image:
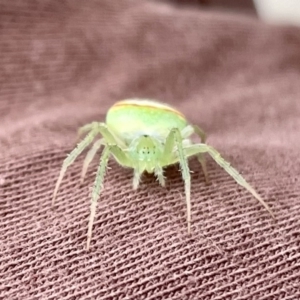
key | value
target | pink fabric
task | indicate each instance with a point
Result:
(63, 64)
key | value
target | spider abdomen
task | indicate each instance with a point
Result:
(129, 119)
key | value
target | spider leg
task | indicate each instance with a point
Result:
(136, 178)
(159, 172)
(200, 132)
(175, 139)
(123, 160)
(96, 191)
(86, 128)
(204, 148)
(90, 156)
(202, 161)
(94, 128)
(108, 138)
(102, 128)
(71, 158)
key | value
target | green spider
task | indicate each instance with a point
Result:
(146, 135)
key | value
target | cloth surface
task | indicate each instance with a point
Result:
(63, 64)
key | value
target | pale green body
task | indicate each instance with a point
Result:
(147, 136)
(131, 121)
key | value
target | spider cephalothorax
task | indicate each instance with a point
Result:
(146, 135)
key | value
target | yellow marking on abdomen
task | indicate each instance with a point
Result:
(147, 104)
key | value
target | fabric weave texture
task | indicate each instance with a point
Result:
(62, 65)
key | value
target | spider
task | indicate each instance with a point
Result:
(147, 136)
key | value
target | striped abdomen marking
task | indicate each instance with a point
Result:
(131, 118)
(150, 104)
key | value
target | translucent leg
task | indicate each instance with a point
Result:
(136, 178)
(71, 158)
(160, 176)
(101, 128)
(200, 132)
(203, 148)
(96, 191)
(90, 156)
(175, 139)
(202, 161)
(98, 184)
(200, 156)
